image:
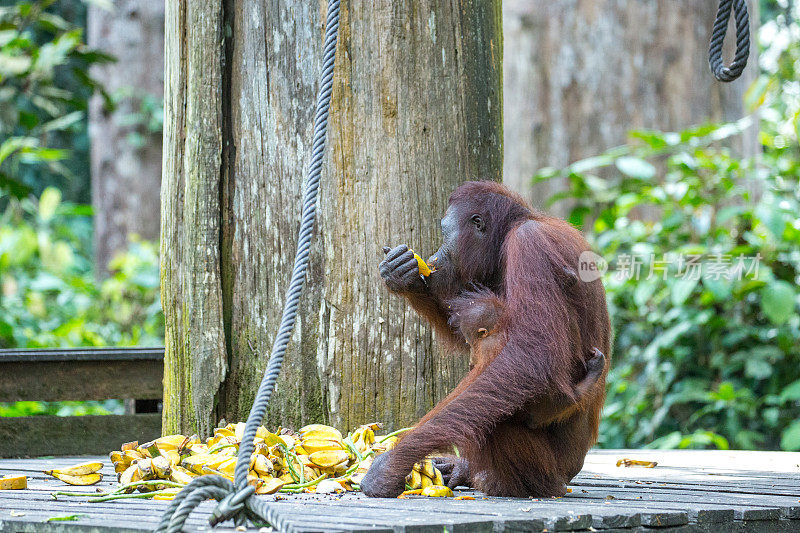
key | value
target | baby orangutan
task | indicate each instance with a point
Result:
(477, 315)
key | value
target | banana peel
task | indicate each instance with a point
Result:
(329, 458)
(318, 445)
(437, 491)
(270, 486)
(77, 470)
(181, 475)
(80, 480)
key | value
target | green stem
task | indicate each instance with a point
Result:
(130, 496)
(149, 483)
(288, 456)
(218, 447)
(306, 484)
(120, 489)
(394, 433)
(67, 493)
(352, 447)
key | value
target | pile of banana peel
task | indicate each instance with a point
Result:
(316, 459)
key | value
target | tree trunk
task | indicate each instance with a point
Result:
(416, 110)
(580, 74)
(125, 154)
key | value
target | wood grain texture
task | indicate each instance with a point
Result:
(416, 110)
(689, 491)
(195, 356)
(51, 381)
(63, 435)
(579, 74)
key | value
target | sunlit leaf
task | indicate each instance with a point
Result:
(778, 301)
(636, 168)
(790, 439)
(791, 392)
(64, 122)
(48, 203)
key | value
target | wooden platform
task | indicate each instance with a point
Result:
(703, 491)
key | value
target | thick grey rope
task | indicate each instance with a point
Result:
(742, 19)
(237, 500)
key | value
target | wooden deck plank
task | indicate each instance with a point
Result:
(740, 492)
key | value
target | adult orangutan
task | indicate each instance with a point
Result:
(549, 331)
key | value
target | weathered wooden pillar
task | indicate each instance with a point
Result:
(417, 109)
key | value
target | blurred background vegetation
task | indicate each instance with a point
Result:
(697, 363)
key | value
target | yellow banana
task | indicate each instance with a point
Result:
(84, 479)
(424, 269)
(437, 491)
(270, 486)
(130, 456)
(320, 431)
(416, 480)
(170, 442)
(227, 467)
(13, 483)
(77, 470)
(172, 456)
(262, 465)
(146, 470)
(162, 467)
(428, 468)
(181, 475)
(128, 475)
(329, 458)
(312, 446)
(196, 449)
(225, 432)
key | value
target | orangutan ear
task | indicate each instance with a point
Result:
(478, 221)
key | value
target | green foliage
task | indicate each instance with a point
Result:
(699, 360)
(106, 407)
(145, 117)
(49, 295)
(44, 91)
(708, 360)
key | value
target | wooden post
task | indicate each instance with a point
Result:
(580, 75)
(125, 175)
(417, 109)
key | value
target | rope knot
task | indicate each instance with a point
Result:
(231, 505)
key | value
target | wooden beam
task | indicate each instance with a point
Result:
(74, 435)
(99, 374)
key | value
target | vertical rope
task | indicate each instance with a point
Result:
(237, 500)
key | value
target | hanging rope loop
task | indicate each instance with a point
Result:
(742, 22)
(237, 500)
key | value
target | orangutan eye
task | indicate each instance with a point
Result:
(477, 220)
